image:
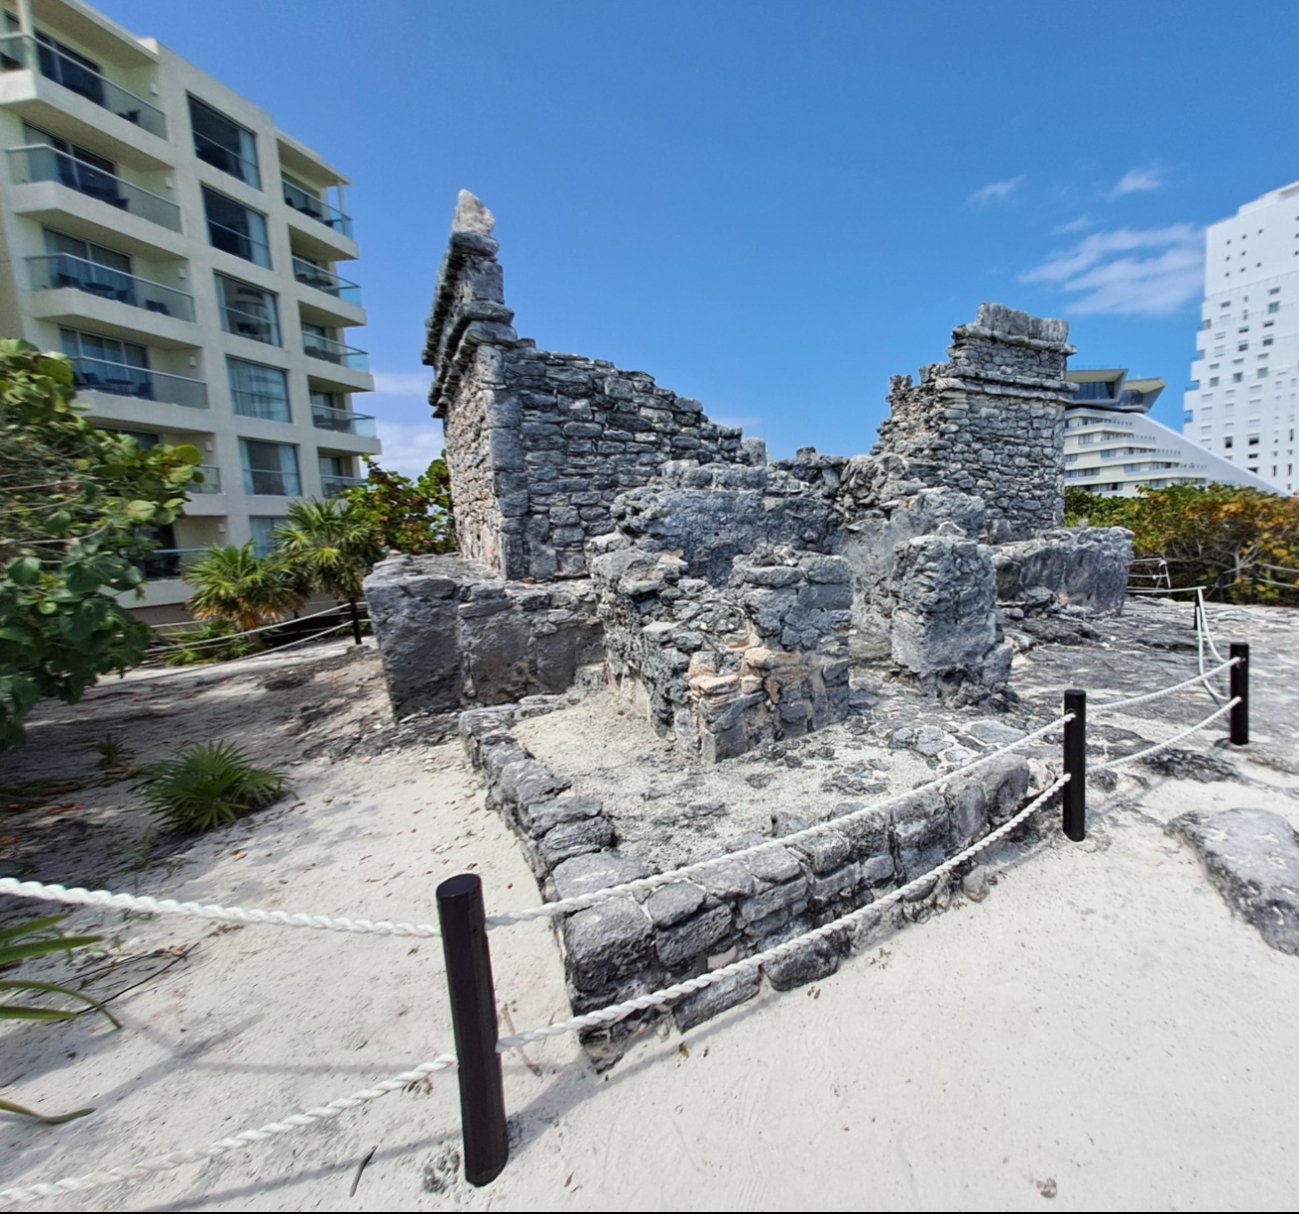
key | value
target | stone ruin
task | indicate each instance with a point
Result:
(604, 519)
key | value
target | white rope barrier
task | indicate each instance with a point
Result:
(548, 910)
(670, 994)
(206, 910)
(1196, 681)
(23, 1194)
(1177, 737)
(234, 636)
(153, 676)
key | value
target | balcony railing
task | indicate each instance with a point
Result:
(335, 352)
(211, 482)
(332, 486)
(250, 324)
(262, 405)
(241, 244)
(18, 52)
(317, 208)
(120, 379)
(342, 421)
(170, 562)
(226, 159)
(326, 280)
(40, 162)
(270, 482)
(55, 271)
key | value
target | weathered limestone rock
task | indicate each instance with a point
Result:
(1083, 567)
(1252, 858)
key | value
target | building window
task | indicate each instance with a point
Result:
(262, 529)
(1267, 341)
(119, 367)
(259, 391)
(270, 469)
(1242, 345)
(1274, 306)
(1262, 373)
(1236, 377)
(1228, 442)
(223, 143)
(1253, 440)
(234, 228)
(1213, 381)
(248, 310)
(143, 439)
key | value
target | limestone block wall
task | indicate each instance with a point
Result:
(539, 444)
(990, 421)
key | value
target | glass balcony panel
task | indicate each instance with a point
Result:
(343, 422)
(317, 208)
(271, 482)
(120, 379)
(332, 486)
(211, 482)
(251, 324)
(335, 352)
(40, 162)
(326, 280)
(241, 244)
(57, 270)
(18, 53)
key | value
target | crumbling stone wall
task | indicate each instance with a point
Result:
(990, 421)
(539, 444)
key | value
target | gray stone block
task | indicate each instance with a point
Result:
(589, 874)
(537, 817)
(725, 993)
(609, 941)
(694, 938)
(807, 963)
(670, 904)
(569, 839)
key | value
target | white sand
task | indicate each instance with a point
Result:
(1100, 1021)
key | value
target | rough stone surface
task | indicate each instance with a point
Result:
(611, 940)
(1252, 858)
(713, 1000)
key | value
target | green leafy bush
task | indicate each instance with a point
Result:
(208, 785)
(214, 640)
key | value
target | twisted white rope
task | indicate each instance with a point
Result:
(207, 910)
(1177, 737)
(247, 632)
(669, 994)
(1196, 681)
(548, 910)
(1202, 621)
(23, 1194)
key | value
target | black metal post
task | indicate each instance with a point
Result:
(1074, 794)
(473, 1016)
(1240, 687)
(356, 621)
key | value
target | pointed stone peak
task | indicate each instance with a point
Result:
(471, 216)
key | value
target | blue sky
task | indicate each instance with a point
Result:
(775, 206)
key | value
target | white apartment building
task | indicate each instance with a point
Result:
(182, 250)
(1245, 378)
(1112, 447)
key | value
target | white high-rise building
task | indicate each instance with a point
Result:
(1245, 378)
(164, 233)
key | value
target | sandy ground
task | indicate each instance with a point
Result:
(1098, 1033)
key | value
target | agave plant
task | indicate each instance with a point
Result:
(208, 785)
(41, 938)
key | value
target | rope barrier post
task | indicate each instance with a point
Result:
(1240, 691)
(1074, 797)
(473, 1017)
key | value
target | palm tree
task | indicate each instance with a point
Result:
(333, 547)
(249, 590)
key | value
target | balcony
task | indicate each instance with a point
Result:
(342, 421)
(326, 280)
(254, 325)
(226, 159)
(335, 352)
(270, 482)
(170, 562)
(119, 379)
(240, 244)
(318, 209)
(55, 271)
(18, 52)
(211, 482)
(40, 162)
(332, 486)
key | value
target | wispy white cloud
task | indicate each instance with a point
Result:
(404, 383)
(1128, 271)
(1081, 224)
(409, 449)
(1137, 181)
(995, 191)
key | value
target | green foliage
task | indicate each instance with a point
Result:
(409, 515)
(1235, 541)
(244, 589)
(214, 640)
(76, 504)
(22, 942)
(113, 753)
(208, 785)
(330, 546)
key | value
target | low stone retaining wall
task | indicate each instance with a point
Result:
(628, 945)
